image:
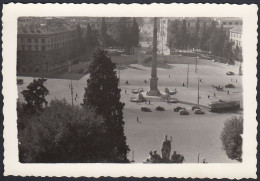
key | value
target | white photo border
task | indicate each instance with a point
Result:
(246, 169)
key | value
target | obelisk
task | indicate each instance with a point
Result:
(154, 79)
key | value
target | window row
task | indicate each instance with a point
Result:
(235, 35)
(54, 39)
(232, 23)
(43, 47)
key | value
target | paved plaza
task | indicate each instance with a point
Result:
(192, 134)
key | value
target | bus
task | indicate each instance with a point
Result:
(220, 106)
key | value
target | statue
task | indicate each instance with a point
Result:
(156, 157)
(166, 148)
(177, 158)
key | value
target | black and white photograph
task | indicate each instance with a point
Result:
(131, 90)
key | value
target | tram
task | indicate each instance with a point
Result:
(222, 106)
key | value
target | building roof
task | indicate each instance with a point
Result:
(43, 29)
(236, 30)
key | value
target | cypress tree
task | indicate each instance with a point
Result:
(103, 95)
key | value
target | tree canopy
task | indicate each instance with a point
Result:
(62, 134)
(231, 138)
(103, 95)
(35, 95)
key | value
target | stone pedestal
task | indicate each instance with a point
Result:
(153, 87)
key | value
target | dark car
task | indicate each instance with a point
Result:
(229, 86)
(146, 109)
(230, 73)
(195, 107)
(184, 112)
(159, 108)
(198, 111)
(177, 109)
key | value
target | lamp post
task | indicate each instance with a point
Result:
(196, 66)
(188, 75)
(199, 158)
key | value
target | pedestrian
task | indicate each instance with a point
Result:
(214, 94)
(145, 81)
(183, 84)
(149, 102)
(208, 96)
(125, 91)
(228, 92)
(231, 80)
(137, 119)
(236, 80)
(76, 95)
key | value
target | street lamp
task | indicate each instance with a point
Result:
(198, 99)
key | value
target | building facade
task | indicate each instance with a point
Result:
(44, 47)
(235, 36)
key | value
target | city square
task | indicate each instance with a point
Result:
(192, 134)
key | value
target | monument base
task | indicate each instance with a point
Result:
(155, 92)
(153, 87)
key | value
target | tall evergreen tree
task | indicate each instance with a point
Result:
(103, 34)
(88, 40)
(135, 33)
(184, 35)
(196, 33)
(103, 95)
(91, 41)
(122, 34)
(203, 37)
(174, 37)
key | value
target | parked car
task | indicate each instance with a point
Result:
(198, 111)
(177, 109)
(195, 107)
(229, 86)
(172, 100)
(230, 73)
(184, 112)
(159, 108)
(146, 109)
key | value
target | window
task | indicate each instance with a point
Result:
(36, 47)
(29, 47)
(22, 40)
(43, 48)
(23, 47)
(43, 40)
(35, 40)
(230, 23)
(29, 40)
(224, 23)
(188, 24)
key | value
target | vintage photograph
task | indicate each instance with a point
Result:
(130, 89)
(157, 90)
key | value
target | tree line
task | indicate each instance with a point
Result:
(58, 132)
(210, 39)
(125, 36)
